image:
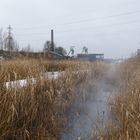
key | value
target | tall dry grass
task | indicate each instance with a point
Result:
(21, 69)
(39, 110)
(125, 105)
(36, 111)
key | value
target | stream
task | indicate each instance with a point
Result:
(90, 115)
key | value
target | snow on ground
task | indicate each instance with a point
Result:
(23, 83)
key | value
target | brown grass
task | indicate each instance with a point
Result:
(21, 69)
(37, 111)
(125, 106)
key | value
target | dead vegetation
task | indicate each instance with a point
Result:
(125, 105)
(38, 111)
(21, 69)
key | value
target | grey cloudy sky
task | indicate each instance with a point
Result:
(111, 27)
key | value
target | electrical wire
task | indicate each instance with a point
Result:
(79, 29)
(85, 20)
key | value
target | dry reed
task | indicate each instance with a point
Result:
(38, 111)
(125, 105)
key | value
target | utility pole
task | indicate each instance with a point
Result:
(9, 39)
(52, 40)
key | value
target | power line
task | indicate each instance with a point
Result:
(101, 18)
(110, 25)
(79, 29)
(88, 20)
(100, 34)
(9, 30)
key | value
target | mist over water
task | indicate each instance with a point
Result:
(90, 114)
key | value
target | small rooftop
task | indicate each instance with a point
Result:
(90, 57)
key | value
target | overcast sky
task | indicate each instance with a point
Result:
(111, 27)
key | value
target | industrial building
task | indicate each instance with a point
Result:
(91, 57)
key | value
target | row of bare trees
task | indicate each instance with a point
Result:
(59, 50)
(8, 43)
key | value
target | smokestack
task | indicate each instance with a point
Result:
(52, 40)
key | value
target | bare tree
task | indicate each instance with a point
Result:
(16, 46)
(48, 46)
(9, 43)
(60, 50)
(1, 39)
(27, 49)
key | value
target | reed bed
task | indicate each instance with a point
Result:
(125, 105)
(39, 110)
(21, 69)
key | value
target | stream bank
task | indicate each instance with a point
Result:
(89, 114)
